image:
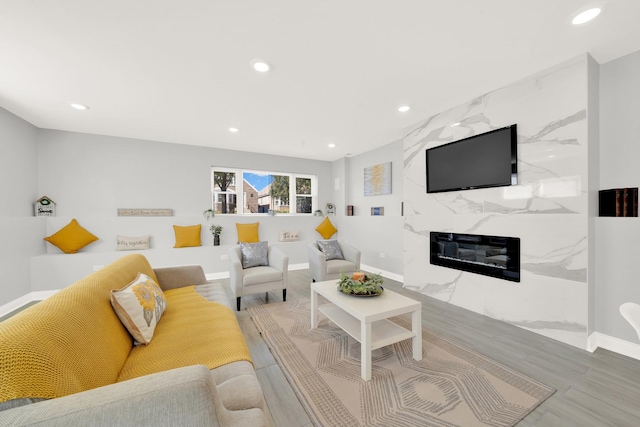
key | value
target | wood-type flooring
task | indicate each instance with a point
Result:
(593, 389)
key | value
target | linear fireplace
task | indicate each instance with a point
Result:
(489, 255)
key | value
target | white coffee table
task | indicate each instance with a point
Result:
(365, 319)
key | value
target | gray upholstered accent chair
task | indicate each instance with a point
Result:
(253, 280)
(322, 269)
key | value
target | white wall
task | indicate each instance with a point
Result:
(91, 176)
(548, 210)
(21, 232)
(379, 238)
(618, 245)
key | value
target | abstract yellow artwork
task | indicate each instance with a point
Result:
(377, 179)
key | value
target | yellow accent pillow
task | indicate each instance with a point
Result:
(139, 306)
(187, 236)
(71, 238)
(248, 233)
(326, 229)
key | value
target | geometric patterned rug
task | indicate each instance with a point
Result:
(450, 386)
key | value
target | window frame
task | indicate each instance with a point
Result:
(241, 194)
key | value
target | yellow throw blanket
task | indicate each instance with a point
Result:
(190, 332)
(72, 341)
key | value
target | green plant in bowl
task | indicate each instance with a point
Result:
(370, 286)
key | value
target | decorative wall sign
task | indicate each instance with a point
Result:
(289, 236)
(145, 212)
(44, 206)
(377, 179)
(331, 209)
(377, 211)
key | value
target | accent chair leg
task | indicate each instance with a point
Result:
(313, 280)
(238, 303)
(284, 294)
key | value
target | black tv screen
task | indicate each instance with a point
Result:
(485, 160)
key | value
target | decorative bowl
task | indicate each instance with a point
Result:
(361, 285)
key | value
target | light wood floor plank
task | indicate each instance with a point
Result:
(593, 389)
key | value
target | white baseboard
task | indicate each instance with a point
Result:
(301, 266)
(23, 300)
(216, 276)
(383, 273)
(616, 345)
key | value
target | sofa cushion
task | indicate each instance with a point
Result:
(139, 306)
(326, 229)
(71, 238)
(187, 236)
(260, 275)
(178, 277)
(124, 243)
(330, 249)
(254, 254)
(193, 331)
(248, 232)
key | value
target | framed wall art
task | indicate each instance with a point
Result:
(377, 179)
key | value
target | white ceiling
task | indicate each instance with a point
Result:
(179, 71)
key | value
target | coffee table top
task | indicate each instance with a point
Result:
(367, 309)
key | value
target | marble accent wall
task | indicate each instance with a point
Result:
(547, 210)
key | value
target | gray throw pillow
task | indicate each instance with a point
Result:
(330, 249)
(254, 254)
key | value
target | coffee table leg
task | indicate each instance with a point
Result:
(314, 309)
(416, 328)
(365, 351)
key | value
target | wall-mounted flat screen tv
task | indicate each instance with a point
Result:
(486, 160)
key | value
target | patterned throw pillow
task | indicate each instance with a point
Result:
(139, 306)
(71, 238)
(254, 254)
(326, 229)
(330, 249)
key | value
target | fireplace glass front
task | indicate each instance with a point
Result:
(488, 255)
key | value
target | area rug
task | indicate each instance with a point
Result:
(450, 386)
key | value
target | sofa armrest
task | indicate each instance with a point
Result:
(351, 254)
(178, 277)
(177, 397)
(278, 259)
(235, 271)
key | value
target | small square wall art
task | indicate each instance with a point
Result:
(377, 179)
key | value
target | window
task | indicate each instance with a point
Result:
(223, 184)
(304, 199)
(262, 192)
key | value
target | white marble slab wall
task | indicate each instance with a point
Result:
(547, 210)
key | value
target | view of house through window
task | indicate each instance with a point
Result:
(261, 192)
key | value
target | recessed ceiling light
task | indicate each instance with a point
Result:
(332, 145)
(456, 124)
(234, 130)
(260, 65)
(586, 16)
(404, 108)
(77, 106)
